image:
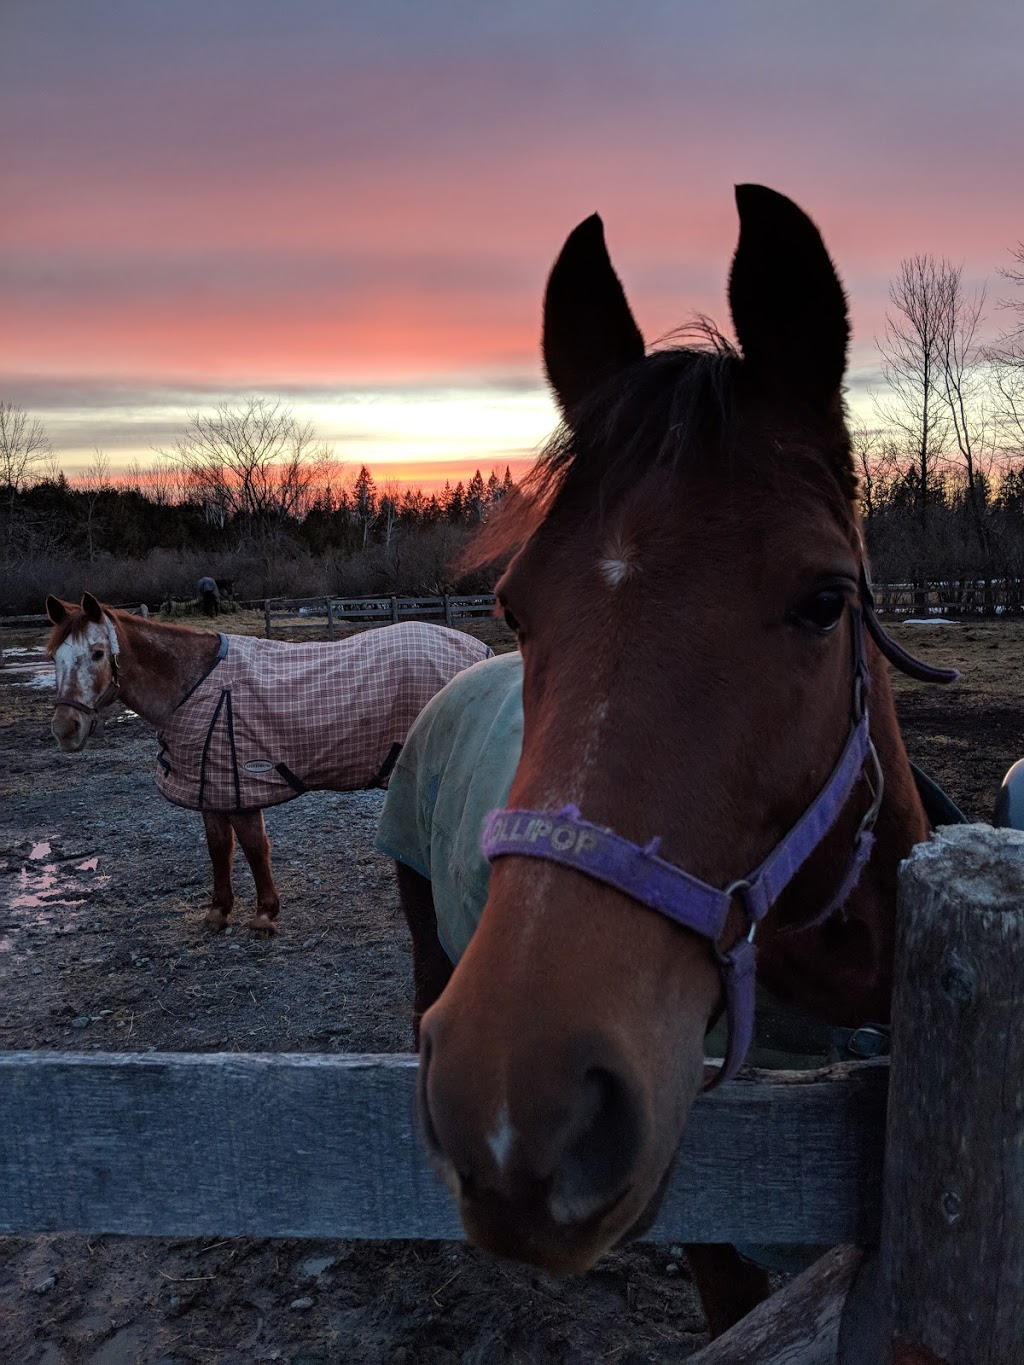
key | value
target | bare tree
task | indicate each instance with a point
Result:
(912, 353)
(1007, 357)
(387, 508)
(965, 385)
(252, 461)
(867, 444)
(93, 483)
(328, 476)
(24, 444)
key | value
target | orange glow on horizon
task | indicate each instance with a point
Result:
(429, 476)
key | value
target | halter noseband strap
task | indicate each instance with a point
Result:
(564, 837)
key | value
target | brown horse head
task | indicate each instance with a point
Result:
(85, 651)
(686, 604)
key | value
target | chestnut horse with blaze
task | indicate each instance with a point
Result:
(246, 723)
(710, 758)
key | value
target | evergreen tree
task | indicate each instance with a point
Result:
(475, 500)
(364, 497)
(457, 504)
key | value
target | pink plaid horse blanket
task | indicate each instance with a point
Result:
(272, 720)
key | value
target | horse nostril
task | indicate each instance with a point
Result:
(599, 1160)
(426, 1121)
(64, 728)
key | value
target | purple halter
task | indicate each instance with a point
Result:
(564, 837)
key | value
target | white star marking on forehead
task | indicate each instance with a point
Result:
(618, 563)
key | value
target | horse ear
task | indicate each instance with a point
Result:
(589, 331)
(56, 610)
(92, 608)
(788, 307)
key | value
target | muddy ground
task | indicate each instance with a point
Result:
(103, 886)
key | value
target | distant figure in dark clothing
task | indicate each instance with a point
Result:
(209, 596)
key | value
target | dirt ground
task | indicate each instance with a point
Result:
(103, 886)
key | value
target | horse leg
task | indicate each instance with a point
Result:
(220, 840)
(431, 967)
(252, 835)
(729, 1286)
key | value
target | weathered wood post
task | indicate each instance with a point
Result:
(394, 609)
(330, 615)
(952, 1248)
(447, 609)
(266, 615)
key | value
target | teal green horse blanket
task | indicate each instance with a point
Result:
(456, 767)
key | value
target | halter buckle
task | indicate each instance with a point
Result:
(737, 888)
(877, 786)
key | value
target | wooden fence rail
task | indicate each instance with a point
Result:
(954, 597)
(293, 612)
(185, 1144)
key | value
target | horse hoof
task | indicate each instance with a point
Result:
(215, 921)
(262, 924)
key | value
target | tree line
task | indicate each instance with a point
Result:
(247, 493)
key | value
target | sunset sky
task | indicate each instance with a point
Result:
(353, 206)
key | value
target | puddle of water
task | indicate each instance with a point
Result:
(40, 902)
(41, 894)
(44, 677)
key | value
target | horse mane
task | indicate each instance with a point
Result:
(672, 410)
(76, 621)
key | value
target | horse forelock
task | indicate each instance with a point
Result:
(74, 626)
(680, 409)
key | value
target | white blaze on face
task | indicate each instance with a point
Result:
(501, 1140)
(616, 566)
(79, 675)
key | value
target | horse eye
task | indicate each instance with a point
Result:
(820, 611)
(97, 655)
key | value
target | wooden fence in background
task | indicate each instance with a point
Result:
(952, 598)
(290, 613)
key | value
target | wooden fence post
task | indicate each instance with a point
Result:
(448, 609)
(266, 615)
(952, 1249)
(798, 1325)
(330, 616)
(394, 608)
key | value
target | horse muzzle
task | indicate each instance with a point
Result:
(71, 728)
(73, 722)
(555, 1176)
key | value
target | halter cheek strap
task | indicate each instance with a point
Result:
(896, 654)
(564, 837)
